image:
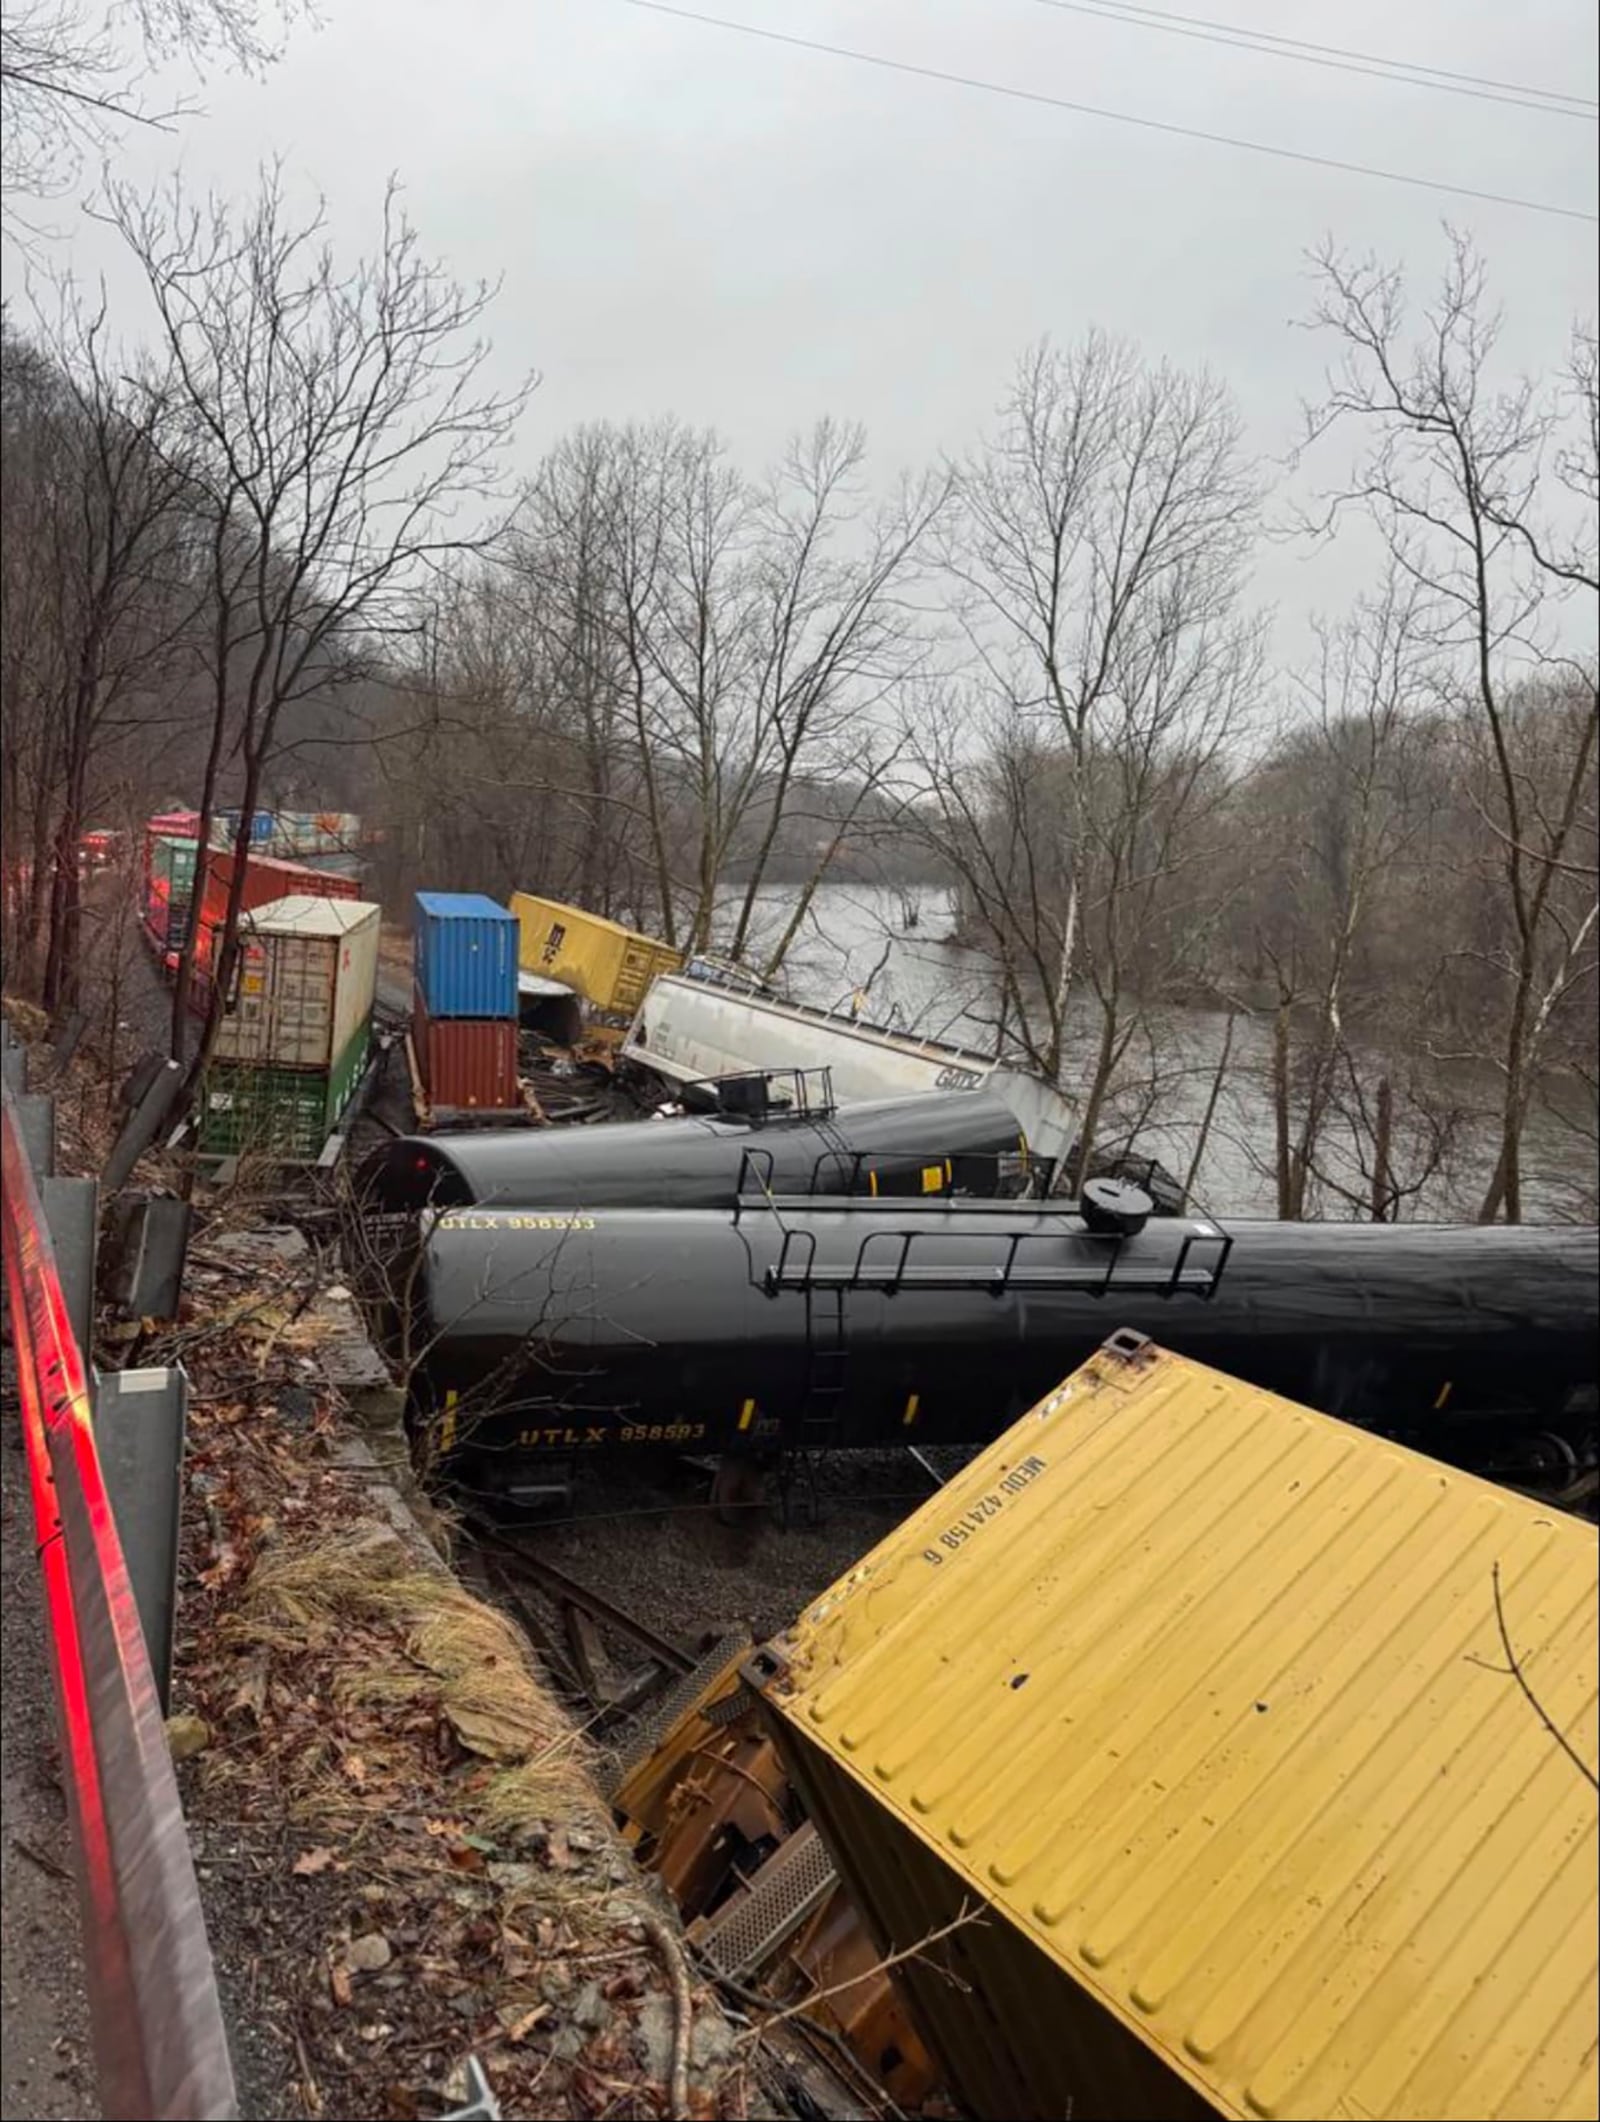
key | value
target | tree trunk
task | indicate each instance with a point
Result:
(1505, 1186)
(1105, 1063)
(1280, 1112)
(1381, 1199)
(1210, 1113)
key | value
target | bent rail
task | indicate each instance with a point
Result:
(160, 2048)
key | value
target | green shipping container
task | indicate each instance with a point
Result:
(278, 1112)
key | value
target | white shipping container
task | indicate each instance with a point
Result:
(307, 976)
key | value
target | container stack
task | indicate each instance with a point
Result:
(171, 849)
(464, 1013)
(294, 1043)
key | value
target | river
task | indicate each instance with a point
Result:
(856, 937)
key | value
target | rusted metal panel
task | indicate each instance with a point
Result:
(466, 1063)
(1210, 1706)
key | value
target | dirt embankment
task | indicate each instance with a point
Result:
(404, 1858)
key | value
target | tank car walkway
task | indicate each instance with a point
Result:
(45, 2067)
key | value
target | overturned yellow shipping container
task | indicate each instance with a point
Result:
(1262, 1750)
(610, 966)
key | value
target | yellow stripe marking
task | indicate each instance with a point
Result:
(747, 1414)
(447, 1428)
(872, 1184)
(912, 1405)
(1445, 1391)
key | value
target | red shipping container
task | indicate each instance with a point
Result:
(467, 1064)
(265, 879)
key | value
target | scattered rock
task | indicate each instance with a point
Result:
(653, 2032)
(369, 1954)
(589, 2008)
(514, 1878)
(187, 1736)
(283, 1242)
(711, 2044)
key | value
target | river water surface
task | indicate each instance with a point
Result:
(888, 945)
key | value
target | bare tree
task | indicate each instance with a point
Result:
(1485, 499)
(1099, 539)
(70, 76)
(1097, 543)
(1325, 823)
(834, 646)
(98, 600)
(118, 532)
(335, 424)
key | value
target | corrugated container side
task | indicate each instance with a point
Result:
(356, 986)
(971, 1996)
(1202, 1700)
(282, 1015)
(609, 965)
(348, 1069)
(307, 976)
(278, 1112)
(467, 1064)
(466, 955)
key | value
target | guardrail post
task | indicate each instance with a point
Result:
(149, 1243)
(36, 1123)
(142, 1126)
(140, 1419)
(72, 1210)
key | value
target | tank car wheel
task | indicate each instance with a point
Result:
(738, 1489)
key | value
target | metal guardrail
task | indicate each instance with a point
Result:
(160, 2047)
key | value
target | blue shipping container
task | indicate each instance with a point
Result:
(466, 955)
(262, 825)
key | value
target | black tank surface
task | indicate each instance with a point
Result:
(828, 1326)
(967, 1142)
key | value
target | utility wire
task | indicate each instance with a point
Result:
(1551, 101)
(1093, 110)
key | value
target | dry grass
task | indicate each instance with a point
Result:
(420, 1647)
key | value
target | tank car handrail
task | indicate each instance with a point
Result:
(155, 2018)
(1168, 1279)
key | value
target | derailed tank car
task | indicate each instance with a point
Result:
(937, 1144)
(870, 1323)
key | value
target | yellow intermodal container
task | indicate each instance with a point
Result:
(1263, 1750)
(610, 966)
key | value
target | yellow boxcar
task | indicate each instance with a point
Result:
(610, 966)
(1263, 1749)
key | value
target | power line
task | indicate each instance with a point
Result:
(1551, 101)
(1093, 110)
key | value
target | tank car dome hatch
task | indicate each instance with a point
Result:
(1115, 1207)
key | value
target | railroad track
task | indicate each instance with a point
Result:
(573, 1643)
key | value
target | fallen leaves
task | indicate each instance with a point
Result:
(393, 1788)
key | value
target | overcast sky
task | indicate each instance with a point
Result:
(751, 235)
